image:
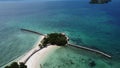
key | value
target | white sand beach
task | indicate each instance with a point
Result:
(25, 56)
(35, 47)
(39, 57)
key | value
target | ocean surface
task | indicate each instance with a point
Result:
(92, 25)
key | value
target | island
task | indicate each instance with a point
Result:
(44, 47)
(59, 39)
(99, 1)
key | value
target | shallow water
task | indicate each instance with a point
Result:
(69, 57)
(95, 26)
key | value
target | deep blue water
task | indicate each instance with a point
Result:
(92, 25)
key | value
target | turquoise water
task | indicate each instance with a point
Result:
(95, 26)
(68, 57)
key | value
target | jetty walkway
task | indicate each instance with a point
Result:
(90, 49)
(31, 31)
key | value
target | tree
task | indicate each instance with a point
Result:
(13, 65)
(55, 39)
(16, 65)
(22, 65)
(7, 67)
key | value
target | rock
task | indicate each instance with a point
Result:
(92, 64)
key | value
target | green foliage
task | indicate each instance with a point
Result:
(7, 67)
(16, 65)
(22, 65)
(55, 39)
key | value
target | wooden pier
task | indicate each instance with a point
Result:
(31, 31)
(93, 50)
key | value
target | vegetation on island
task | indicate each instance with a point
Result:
(99, 1)
(16, 65)
(55, 39)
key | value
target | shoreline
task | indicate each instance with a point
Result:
(35, 47)
(22, 57)
(36, 60)
(36, 56)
